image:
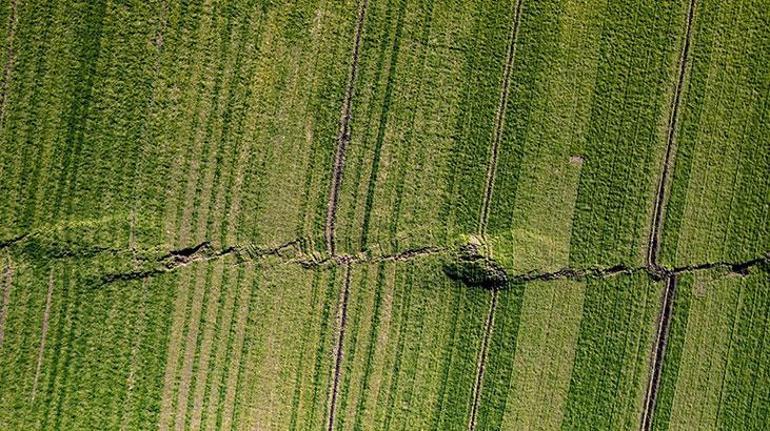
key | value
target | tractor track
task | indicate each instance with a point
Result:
(478, 383)
(343, 315)
(500, 118)
(653, 247)
(486, 203)
(343, 139)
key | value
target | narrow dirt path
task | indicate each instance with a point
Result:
(653, 246)
(486, 203)
(500, 118)
(656, 360)
(654, 241)
(338, 349)
(477, 385)
(343, 139)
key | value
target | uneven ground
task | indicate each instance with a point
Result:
(384, 214)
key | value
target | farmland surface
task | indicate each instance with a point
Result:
(384, 215)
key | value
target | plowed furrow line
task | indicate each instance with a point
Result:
(500, 119)
(653, 246)
(343, 139)
(656, 362)
(343, 315)
(477, 385)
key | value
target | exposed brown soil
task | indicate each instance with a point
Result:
(500, 119)
(656, 360)
(343, 139)
(478, 383)
(338, 349)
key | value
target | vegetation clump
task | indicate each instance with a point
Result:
(474, 269)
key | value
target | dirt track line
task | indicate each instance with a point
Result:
(6, 297)
(500, 119)
(343, 316)
(486, 203)
(653, 247)
(9, 59)
(44, 332)
(478, 384)
(658, 353)
(343, 139)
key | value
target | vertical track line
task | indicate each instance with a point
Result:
(343, 139)
(343, 316)
(653, 246)
(500, 119)
(658, 353)
(486, 203)
(477, 385)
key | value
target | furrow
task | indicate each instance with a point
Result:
(343, 139)
(478, 384)
(343, 311)
(656, 362)
(653, 246)
(500, 120)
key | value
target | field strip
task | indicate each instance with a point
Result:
(218, 368)
(656, 361)
(500, 119)
(9, 58)
(194, 310)
(225, 416)
(653, 246)
(205, 346)
(44, 332)
(138, 332)
(6, 297)
(172, 353)
(477, 385)
(344, 135)
(343, 315)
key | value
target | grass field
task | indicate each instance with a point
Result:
(570, 355)
(717, 374)
(392, 214)
(718, 210)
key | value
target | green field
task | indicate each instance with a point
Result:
(718, 375)
(384, 215)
